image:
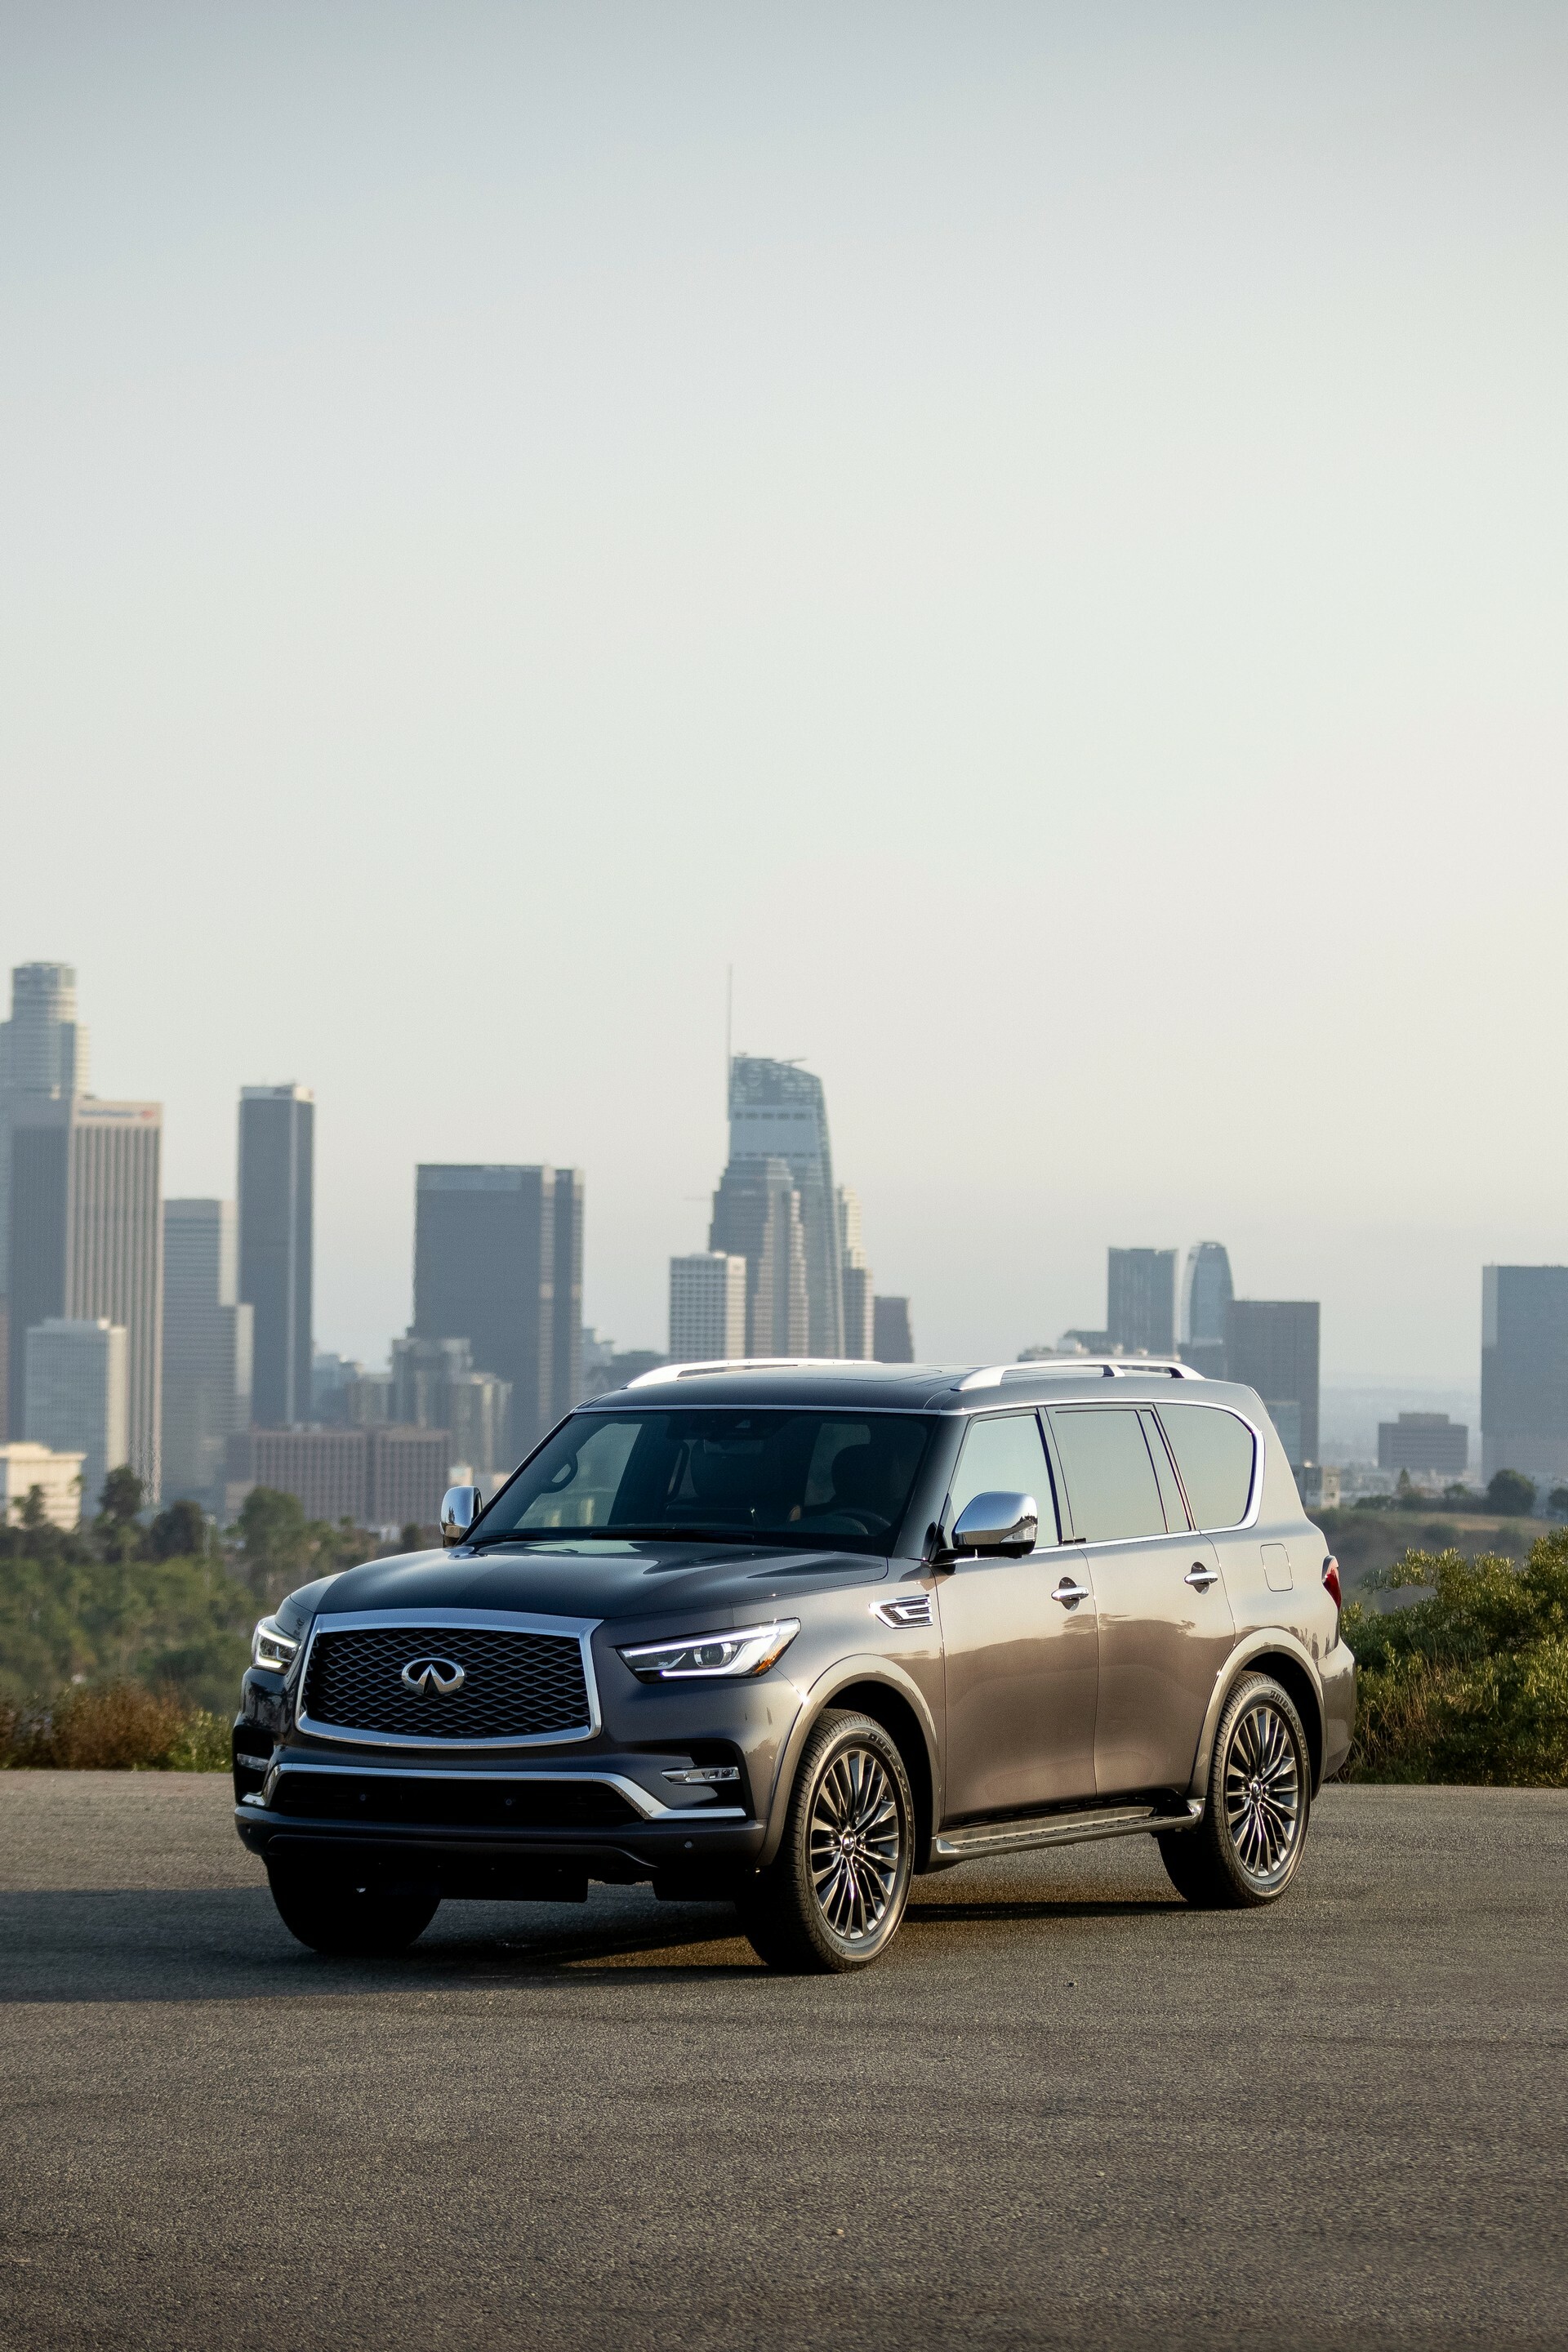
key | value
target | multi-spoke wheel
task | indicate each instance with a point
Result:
(1246, 1847)
(835, 1895)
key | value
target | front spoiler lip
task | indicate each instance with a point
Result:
(645, 1841)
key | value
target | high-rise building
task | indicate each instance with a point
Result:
(497, 1261)
(87, 1242)
(78, 1396)
(855, 1273)
(707, 1307)
(756, 1215)
(779, 1112)
(1140, 1300)
(1271, 1345)
(1426, 1442)
(43, 1051)
(435, 1386)
(1524, 1372)
(891, 1336)
(276, 1225)
(1207, 1293)
(206, 1348)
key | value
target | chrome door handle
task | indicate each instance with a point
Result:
(1069, 1595)
(1200, 1576)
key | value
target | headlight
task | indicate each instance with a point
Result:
(749, 1650)
(271, 1646)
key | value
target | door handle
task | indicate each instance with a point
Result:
(1069, 1595)
(1200, 1576)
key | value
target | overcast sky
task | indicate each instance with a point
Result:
(1037, 534)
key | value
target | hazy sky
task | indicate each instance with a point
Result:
(1037, 533)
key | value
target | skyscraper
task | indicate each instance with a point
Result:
(497, 1261)
(892, 1338)
(778, 1111)
(1140, 1300)
(76, 1396)
(1271, 1345)
(276, 1184)
(707, 1307)
(43, 1051)
(855, 1273)
(208, 1341)
(86, 1242)
(1524, 1372)
(1207, 1293)
(756, 1215)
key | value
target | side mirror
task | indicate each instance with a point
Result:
(1009, 1523)
(460, 1506)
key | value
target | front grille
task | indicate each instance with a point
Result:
(514, 1685)
(461, 1802)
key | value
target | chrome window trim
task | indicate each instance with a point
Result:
(1259, 1448)
(651, 1807)
(451, 1621)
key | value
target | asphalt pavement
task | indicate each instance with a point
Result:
(1064, 2111)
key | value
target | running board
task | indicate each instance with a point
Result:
(980, 1838)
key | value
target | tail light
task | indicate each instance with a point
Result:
(1331, 1582)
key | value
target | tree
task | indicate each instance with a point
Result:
(180, 1532)
(1511, 1493)
(274, 1536)
(119, 1505)
(1557, 1502)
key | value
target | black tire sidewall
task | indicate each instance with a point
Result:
(783, 1917)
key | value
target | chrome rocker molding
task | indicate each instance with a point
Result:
(982, 1838)
(649, 1806)
(450, 1620)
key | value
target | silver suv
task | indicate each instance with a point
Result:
(788, 1636)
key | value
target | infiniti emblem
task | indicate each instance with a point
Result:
(426, 1674)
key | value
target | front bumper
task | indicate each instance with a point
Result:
(522, 1829)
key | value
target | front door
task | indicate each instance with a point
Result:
(1021, 1663)
(1166, 1625)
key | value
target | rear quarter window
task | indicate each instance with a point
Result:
(1214, 1453)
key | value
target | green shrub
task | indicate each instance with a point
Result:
(1469, 1683)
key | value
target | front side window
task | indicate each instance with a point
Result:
(1113, 1491)
(1214, 1453)
(1003, 1454)
(777, 1477)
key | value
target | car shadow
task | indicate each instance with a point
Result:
(228, 1944)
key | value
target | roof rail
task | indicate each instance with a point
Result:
(739, 1364)
(1110, 1368)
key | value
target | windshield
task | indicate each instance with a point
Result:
(817, 1478)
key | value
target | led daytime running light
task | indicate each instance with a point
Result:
(744, 1650)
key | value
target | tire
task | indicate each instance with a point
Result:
(341, 1914)
(1247, 1847)
(832, 1900)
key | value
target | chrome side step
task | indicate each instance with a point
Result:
(981, 1838)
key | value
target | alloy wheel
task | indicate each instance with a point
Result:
(1263, 1793)
(855, 1843)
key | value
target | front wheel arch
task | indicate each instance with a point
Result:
(870, 1686)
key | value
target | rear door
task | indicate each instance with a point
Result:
(1019, 1640)
(1165, 1626)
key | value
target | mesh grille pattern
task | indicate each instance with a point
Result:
(515, 1685)
(476, 1804)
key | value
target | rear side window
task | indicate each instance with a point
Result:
(1214, 1453)
(1112, 1492)
(1004, 1454)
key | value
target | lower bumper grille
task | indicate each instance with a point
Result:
(459, 1802)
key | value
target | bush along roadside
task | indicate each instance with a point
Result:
(1469, 1683)
(116, 1726)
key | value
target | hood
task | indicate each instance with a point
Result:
(601, 1579)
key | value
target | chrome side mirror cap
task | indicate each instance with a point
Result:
(1004, 1523)
(460, 1506)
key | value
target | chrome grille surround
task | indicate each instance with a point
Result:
(424, 1630)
